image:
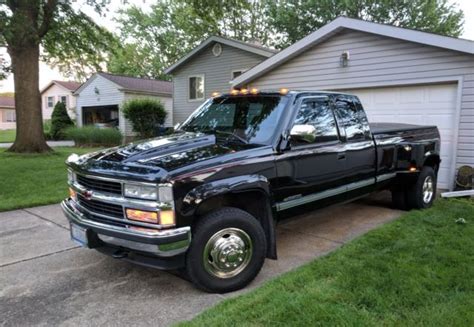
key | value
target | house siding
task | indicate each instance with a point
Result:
(109, 94)
(377, 61)
(56, 92)
(217, 76)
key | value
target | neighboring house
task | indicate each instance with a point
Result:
(99, 99)
(7, 113)
(59, 91)
(400, 75)
(209, 68)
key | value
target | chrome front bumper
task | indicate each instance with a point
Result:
(161, 243)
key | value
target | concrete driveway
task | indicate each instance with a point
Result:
(46, 280)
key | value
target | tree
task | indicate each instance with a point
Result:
(293, 19)
(145, 115)
(152, 41)
(60, 120)
(68, 38)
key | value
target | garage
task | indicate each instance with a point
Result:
(400, 75)
(421, 105)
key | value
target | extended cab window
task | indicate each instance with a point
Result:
(318, 114)
(352, 118)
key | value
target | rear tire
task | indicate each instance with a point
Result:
(227, 250)
(423, 192)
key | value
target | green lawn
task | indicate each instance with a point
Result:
(7, 136)
(416, 271)
(31, 180)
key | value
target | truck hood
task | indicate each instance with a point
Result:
(153, 159)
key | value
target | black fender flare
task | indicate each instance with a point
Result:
(233, 186)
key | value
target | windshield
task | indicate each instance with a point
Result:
(249, 119)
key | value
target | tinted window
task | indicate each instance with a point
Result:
(318, 113)
(253, 118)
(352, 118)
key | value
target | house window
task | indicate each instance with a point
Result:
(50, 102)
(10, 116)
(196, 87)
(63, 99)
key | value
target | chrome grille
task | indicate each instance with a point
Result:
(99, 185)
(98, 207)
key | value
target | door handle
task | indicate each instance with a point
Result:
(341, 156)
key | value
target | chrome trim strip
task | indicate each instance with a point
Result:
(332, 192)
(115, 180)
(384, 177)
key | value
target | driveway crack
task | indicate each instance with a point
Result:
(39, 256)
(310, 234)
(45, 219)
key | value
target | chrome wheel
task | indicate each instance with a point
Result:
(428, 189)
(227, 252)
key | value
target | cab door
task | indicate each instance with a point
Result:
(313, 165)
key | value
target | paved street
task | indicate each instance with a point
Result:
(45, 279)
(50, 143)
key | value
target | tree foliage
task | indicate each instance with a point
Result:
(293, 19)
(145, 115)
(152, 41)
(60, 120)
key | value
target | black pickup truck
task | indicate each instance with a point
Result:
(207, 197)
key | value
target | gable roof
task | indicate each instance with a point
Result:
(7, 102)
(68, 85)
(249, 47)
(341, 23)
(134, 84)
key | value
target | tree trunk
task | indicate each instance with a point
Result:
(29, 119)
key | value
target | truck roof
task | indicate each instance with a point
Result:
(289, 92)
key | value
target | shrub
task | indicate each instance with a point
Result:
(60, 120)
(145, 115)
(47, 129)
(93, 136)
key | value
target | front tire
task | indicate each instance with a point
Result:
(422, 194)
(227, 250)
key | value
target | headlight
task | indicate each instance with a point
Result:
(71, 176)
(140, 191)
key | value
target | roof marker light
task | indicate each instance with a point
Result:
(253, 90)
(244, 91)
(215, 94)
(283, 91)
(234, 92)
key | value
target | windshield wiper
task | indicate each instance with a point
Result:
(235, 136)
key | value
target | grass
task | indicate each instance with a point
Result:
(416, 271)
(7, 135)
(32, 180)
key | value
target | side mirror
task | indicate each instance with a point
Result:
(303, 133)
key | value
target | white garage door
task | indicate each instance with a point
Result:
(422, 105)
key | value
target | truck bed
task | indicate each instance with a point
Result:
(381, 128)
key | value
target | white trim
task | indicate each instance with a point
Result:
(233, 43)
(457, 120)
(243, 70)
(203, 76)
(341, 23)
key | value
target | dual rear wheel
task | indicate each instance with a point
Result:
(420, 194)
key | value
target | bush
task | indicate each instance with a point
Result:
(93, 136)
(145, 115)
(47, 129)
(60, 120)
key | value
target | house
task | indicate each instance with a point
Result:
(7, 113)
(99, 99)
(400, 75)
(209, 68)
(58, 91)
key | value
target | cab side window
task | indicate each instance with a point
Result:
(318, 114)
(352, 118)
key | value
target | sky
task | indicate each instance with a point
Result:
(48, 73)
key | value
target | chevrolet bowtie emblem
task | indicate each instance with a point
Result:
(87, 195)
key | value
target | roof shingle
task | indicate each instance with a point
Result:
(140, 84)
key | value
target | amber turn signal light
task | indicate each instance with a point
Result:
(72, 194)
(143, 216)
